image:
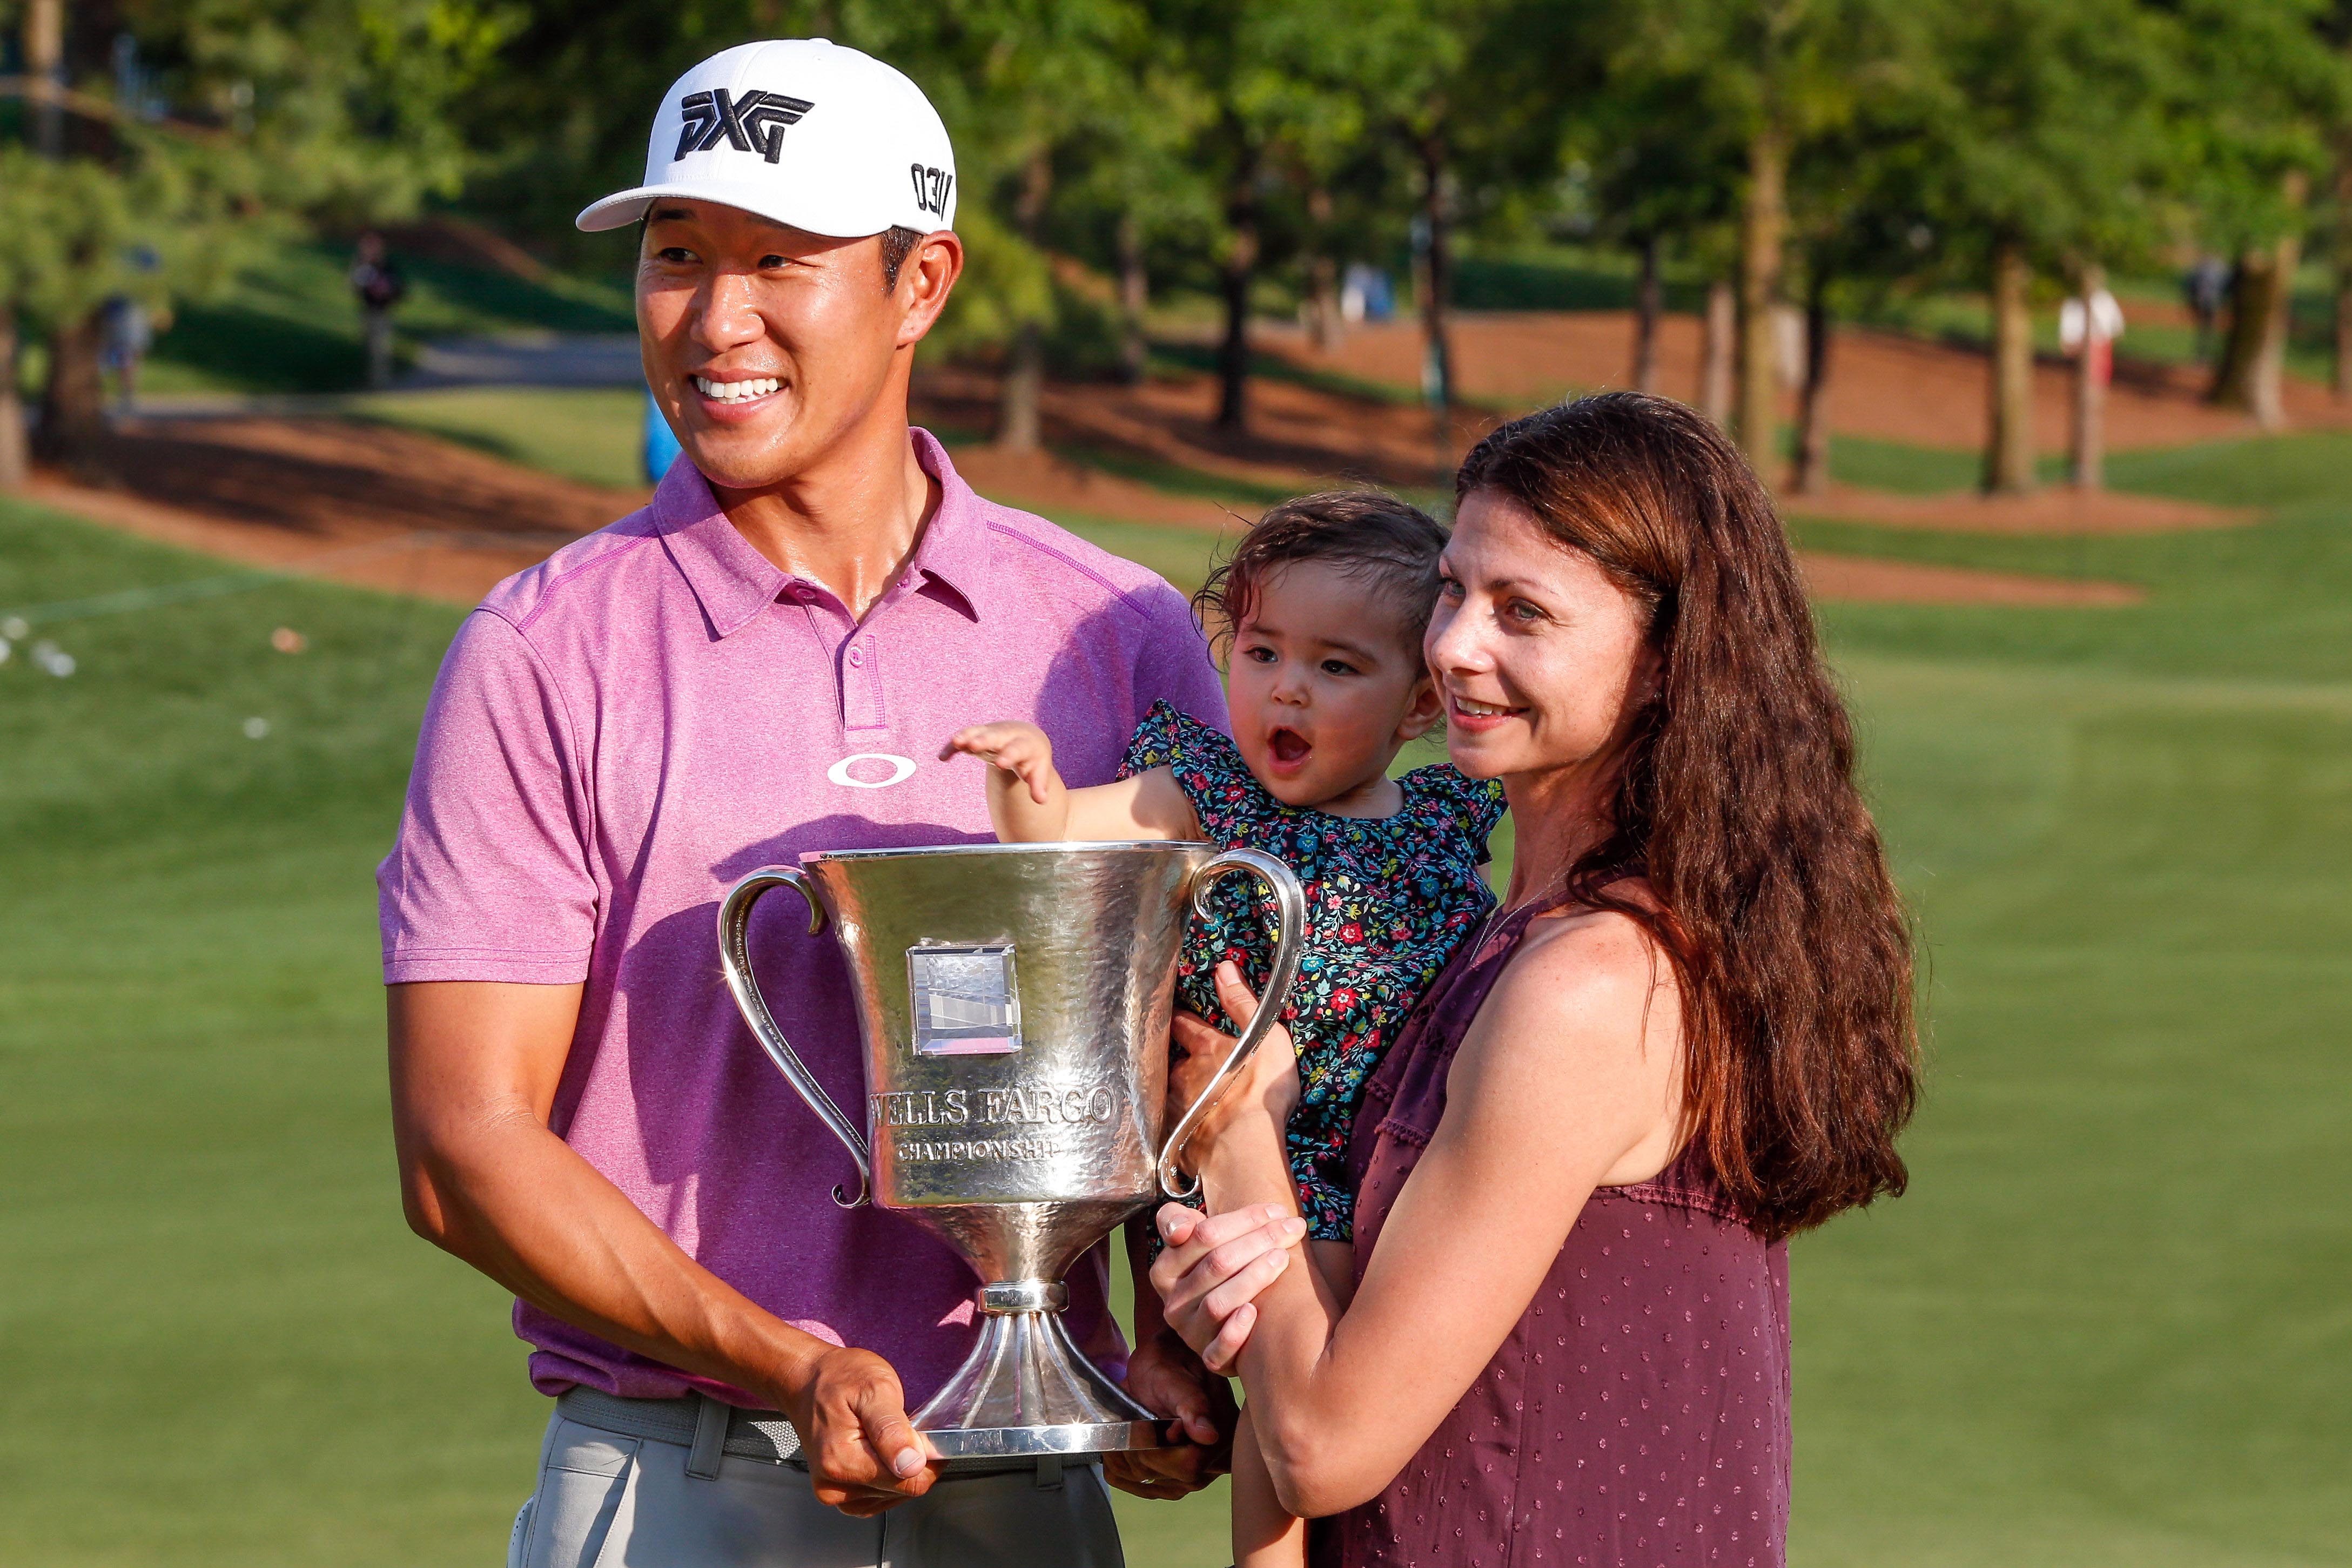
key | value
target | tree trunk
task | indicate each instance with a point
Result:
(2342, 377)
(1716, 355)
(1649, 303)
(12, 408)
(1322, 274)
(1812, 476)
(2087, 442)
(1764, 221)
(1134, 300)
(2343, 380)
(1239, 272)
(73, 404)
(2252, 375)
(2008, 448)
(1017, 414)
(2270, 360)
(45, 53)
(1436, 285)
(2251, 287)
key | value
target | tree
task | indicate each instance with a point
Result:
(1271, 76)
(2048, 150)
(1856, 236)
(1769, 76)
(269, 116)
(2270, 86)
(1030, 79)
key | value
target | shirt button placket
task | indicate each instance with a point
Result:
(861, 692)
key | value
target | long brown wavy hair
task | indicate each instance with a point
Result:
(1737, 801)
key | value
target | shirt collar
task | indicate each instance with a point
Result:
(954, 551)
(734, 583)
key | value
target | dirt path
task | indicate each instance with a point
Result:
(324, 498)
(400, 510)
(1882, 385)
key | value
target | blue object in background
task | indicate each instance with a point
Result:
(661, 444)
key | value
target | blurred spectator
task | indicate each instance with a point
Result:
(661, 441)
(2204, 286)
(1366, 294)
(127, 334)
(377, 282)
(2105, 319)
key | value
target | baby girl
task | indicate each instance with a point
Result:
(1323, 604)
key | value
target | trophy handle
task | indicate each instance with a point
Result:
(1291, 900)
(735, 958)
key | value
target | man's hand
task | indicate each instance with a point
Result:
(1163, 1376)
(862, 1454)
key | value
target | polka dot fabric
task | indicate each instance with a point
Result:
(1639, 1413)
(1389, 900)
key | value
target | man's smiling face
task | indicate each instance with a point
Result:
(767, 346)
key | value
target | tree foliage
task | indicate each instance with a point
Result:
(1830, 153)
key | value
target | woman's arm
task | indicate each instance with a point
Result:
(1029, 804)
(1568, 1080)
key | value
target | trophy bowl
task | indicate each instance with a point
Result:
(1013, 1002)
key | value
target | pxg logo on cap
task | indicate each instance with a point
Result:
(755, 125)
(745, 130)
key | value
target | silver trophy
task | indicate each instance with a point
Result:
(1014, 1000)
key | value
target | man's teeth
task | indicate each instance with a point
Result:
(1482, 710)
(736, 391)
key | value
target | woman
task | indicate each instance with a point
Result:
(1684, 1036)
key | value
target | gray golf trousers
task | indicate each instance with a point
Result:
(606, 1500)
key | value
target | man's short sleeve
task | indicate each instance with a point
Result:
(490, 879)
(1174, 666)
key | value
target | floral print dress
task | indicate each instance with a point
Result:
(1389, 900)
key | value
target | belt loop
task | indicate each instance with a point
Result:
(709, 1438)
(1049, 1473)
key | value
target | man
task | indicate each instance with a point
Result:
(377, 280)
(761, 663)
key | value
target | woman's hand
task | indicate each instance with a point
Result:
(1213, 1270)
(1267, 1083)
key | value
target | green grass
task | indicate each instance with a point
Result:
(595, 435)
(292, 326)
(2108, 1326)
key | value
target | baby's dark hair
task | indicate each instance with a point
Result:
(1363, 532)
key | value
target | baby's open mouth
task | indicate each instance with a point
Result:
(1287, 745)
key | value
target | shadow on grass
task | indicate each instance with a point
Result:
(245, 347)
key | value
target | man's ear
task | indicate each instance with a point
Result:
(925, 279)
(1422, 714)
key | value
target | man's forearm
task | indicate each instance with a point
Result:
(515, 1201)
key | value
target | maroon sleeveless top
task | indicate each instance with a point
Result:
(1638, 1413)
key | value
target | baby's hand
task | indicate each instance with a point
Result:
(1019, 749)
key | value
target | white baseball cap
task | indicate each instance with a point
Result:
(801, 130)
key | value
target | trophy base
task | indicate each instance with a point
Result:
(1027, 1391)
(1075, 1439)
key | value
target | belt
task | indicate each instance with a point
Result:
(709, 1428)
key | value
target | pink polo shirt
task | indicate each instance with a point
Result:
(622, 731)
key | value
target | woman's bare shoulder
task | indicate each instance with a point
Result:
(1579, 1036)
(1577, 956)
(1584, 982)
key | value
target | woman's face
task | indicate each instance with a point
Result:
(1534, 650)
